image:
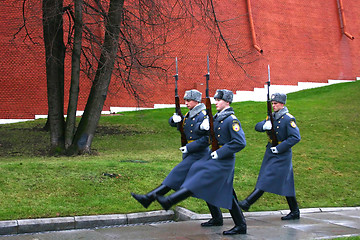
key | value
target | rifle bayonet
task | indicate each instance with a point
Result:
(178, 109)
(207, 80)
(214, 142)
(271, 133)
(176, 76)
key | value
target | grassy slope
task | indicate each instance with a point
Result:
(142, 148)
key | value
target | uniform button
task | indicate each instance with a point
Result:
(192, 125)
(277, 127)
(278, 121)
(191, 131)
(219, 135)
(222, 121)
(219, 128)
(190, 137)
(193, 119)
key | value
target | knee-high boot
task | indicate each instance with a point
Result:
(253, 197)
(239, 220)
(148, 198)
(216, 217)
(178, 196)
(294, 209)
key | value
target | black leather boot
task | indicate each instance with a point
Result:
(148, 198)
(178, 196)
(294, 209)
(253, 197)
(239, 220)
(216, 217)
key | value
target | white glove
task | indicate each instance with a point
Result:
(274, 150)
(214, 155)
(176, 118)
(205, 125)
(183, 149)
(267, 125)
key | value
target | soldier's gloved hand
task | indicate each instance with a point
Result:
(176, 118)
(274, 150)
(267, 125)
(214, 155)
(205, 125)
(183, 149)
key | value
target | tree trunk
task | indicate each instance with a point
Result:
(75, 76)
(89, 121)
(55, 55)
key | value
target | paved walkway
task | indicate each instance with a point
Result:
(316, 223)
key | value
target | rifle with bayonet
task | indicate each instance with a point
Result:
(178, 109)
(271, 133)
(214, 142)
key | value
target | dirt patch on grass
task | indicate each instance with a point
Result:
(35, 141)
(114, 130)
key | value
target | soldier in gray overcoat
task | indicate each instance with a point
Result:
(211, 178)
(276, 173)
(196, 126)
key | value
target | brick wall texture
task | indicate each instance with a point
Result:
(302, 41)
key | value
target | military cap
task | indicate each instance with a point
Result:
(279, 97)
(224, 94)
(193, 94)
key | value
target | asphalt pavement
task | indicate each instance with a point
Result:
(314, 223)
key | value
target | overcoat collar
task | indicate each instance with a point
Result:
(224, 114)
(277, 115)
(198, 108)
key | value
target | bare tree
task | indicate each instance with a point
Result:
(87, 126)
(130, 41)
(108, 38)
(55, 56)
(75, 74)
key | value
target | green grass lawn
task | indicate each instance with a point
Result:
(141, 149)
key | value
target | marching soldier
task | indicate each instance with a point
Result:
(196, 126)
(211, 178)
(276, 174)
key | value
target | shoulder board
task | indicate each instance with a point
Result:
(204, 112)
(233, 116)
(291, 116)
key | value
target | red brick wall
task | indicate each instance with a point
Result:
(301, 40)
(22, 66)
